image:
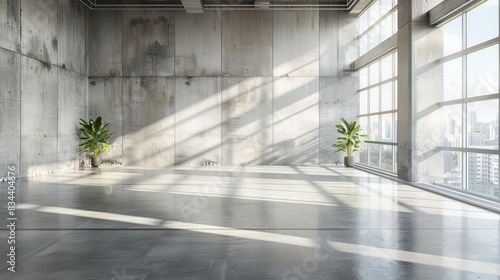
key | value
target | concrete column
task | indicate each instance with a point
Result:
(419, 89)
(405, 90)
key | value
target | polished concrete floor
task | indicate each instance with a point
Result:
(243, 223)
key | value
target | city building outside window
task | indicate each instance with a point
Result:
(470, 107)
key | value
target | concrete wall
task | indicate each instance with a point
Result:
(42, 77)
(231, 87)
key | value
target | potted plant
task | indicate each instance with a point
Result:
(96, 136)
(350, 140)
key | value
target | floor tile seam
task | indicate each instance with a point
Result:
(105, 246)
(87, 222)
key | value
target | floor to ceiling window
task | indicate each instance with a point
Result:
(378, 87)
(470, 106)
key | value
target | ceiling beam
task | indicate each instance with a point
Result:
(193, 6)
(360, 6)
(262, 4)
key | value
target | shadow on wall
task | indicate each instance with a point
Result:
(231, 127)
(164, 121)
(255, 120)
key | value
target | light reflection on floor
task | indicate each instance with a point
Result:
(245, 223)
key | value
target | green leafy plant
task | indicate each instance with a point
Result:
(96, 136)
(351, 138)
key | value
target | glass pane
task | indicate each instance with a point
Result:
(482, 72)
(386, 101)
(374, 37)
(363, 102)
(395, 22)
(395, 94)
(385, 6)
(374, 100)
(452, 36)
(363, 78)
(387, 158)
(374, 13)
(482, 124)
(363, 122)
(452, 117)
(395, 152)
(386, 29)
(374, 132)
(374, 73)
(395, 116)
(374, 155)
(452, 79)
(483, 174)
(396, 63)
(363, 22)
(363, 44)
(482, 23)
(387, 129)
(387, 68)
(363, 154)
(452, 169)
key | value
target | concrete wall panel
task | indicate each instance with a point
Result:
(296, 43)
(71, 33)
(329, 43)
(148, 121)
(40, 101)
(106, 100)
(347, 41)
(296, 121)
(247, 43)
(10, 25)
(148, 43)
(198, 44)
(246, 120)
(39, 30)
(197, 121)
(38, 117)
(338, 99)
(72, 104)
(9, 76)
(10, 110)
(104, 41)
(10, 134)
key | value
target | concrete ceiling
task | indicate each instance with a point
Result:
(198, 6)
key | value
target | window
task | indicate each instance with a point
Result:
(378, 87)
(470, 107)
(376, 24)
(377, 113)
